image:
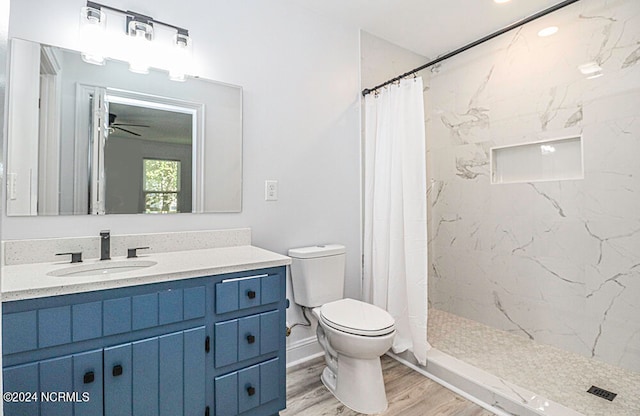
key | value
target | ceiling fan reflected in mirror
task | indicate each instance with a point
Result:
(113, 126)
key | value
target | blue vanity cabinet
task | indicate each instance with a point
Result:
(249, 333)
(156, 376)
(37, 386)
(160, 349)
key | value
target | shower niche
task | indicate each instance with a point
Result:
(548, 160)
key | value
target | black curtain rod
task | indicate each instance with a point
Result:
(473, 44)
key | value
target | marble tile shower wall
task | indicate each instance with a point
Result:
(557, 262)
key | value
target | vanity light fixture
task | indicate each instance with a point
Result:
(548, 31)
(501, 1)
(141, 43)
(141, 34)
(93, 24)
(181, 56)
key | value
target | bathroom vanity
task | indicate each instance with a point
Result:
(180, 337)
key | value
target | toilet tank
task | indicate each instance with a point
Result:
(317, 274)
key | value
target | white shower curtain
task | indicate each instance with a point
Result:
(395, 234)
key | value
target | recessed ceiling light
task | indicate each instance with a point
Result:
(548, 31)
(501, 1)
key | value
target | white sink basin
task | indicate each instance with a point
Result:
(108, 267)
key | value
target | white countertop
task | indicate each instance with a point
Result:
(27, 281)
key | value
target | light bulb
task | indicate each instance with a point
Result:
(141, 35)
(181, 55)
(93, 23)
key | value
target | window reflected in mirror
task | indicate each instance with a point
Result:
(161, 186)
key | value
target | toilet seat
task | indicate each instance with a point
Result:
(357, 318)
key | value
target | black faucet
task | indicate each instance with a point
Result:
(76, 257)
(105, 245)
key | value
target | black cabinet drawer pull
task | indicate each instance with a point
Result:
(251, 294)
(251, 390)
(89, 377)
(117, 370)
(251, 339)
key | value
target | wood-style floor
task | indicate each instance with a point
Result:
(409, 394)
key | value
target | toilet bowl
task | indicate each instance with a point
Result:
(353, 343)
(353, 334)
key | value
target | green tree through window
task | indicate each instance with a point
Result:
(161, 186)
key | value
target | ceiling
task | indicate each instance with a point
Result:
(428, 27)
(152, 124)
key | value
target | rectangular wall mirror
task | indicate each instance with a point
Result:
(87, 139)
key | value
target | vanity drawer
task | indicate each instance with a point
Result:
(149, 310)
(49, 327)
(247, 292)
(26, 331)
(245, 389)
(19, 332)
(247, 337)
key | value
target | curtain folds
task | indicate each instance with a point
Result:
(395, 229)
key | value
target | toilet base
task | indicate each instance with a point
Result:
(359, 384)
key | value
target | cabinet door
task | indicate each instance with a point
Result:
(194, 372)
(145, 377)
(56, 376)
(171, 374)
(168, 374)
(87, 381)
(63, 386)
(182, 373)
(117, 381)
(21, 379)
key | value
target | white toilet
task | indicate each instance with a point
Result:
(353, 334)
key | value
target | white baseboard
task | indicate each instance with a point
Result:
(303, 350)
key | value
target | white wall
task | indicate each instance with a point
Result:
(300, 75)
(382, 60)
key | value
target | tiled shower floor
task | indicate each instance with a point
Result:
(556, 374)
